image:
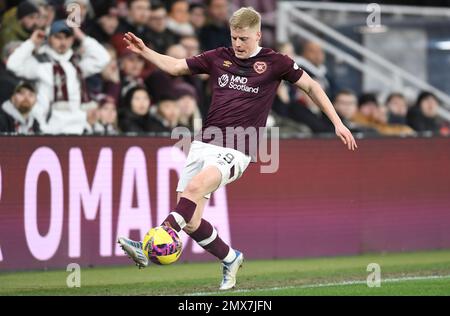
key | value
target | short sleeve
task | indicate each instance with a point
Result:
(290, 71)
(201, 64)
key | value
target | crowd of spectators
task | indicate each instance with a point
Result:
(59, 79)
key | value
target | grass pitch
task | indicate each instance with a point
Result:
(419, 273)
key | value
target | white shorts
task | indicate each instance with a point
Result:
(231, 163)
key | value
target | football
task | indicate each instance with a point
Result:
(162, 245)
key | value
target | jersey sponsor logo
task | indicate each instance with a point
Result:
(223, 80)
(236, 83)
(227, 63)
(260, 67)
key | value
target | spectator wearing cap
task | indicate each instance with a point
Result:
(8, 80)
(422, 117)
(19, 23)
(16, 115)
(60, 74)
(158, 35)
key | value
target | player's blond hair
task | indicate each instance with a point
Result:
(246, 17)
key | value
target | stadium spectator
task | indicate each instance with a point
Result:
(159, 36)
(346, 104)
(197, 13)
(106, 114)
(290, 102)
(8, 80)
(16, 115)
(190, 115)
(422, 117)
(60, 73)
(106, 24)
(47, 14)
(397, 108)
(131, 71)
(159, 82)
(373, 115)
(137, 19)
(368, 105)
(191, 44)
(286, 125)
(165, 115)
(134, 114)
(312, 60)
(179, 19)
(19, 23)
(110, 76)
(216, 32)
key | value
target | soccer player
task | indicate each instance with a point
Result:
(244, 79)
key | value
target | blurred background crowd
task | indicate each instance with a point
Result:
(60, 79)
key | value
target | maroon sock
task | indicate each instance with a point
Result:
(183, 212)
(206, 236)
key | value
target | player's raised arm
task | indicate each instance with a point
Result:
(315, 91)
(173, 66)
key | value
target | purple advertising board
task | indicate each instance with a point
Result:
(67, 199)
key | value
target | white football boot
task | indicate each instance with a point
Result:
(230, 270)
(134, 251)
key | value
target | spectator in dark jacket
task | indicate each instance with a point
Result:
(422, 117)
(166, 114)
(158, 35)
(8, 80)
(137, 19)
(134, 115)
(16, 114)
(19, 23)
(105, 26)
(397, 108)
(216, 33)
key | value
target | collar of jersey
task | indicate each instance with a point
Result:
(258, 49)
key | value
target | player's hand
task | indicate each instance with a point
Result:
(346, 136)
(135, 44)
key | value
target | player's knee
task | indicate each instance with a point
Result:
(194, 188)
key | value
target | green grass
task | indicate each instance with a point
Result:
(402, 274)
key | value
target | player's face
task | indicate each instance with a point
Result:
(245, 41)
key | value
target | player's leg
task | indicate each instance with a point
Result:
(201, 231)
(203, 183)
(193, 166)
(231, 164)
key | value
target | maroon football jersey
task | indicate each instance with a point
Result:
(243, 90)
